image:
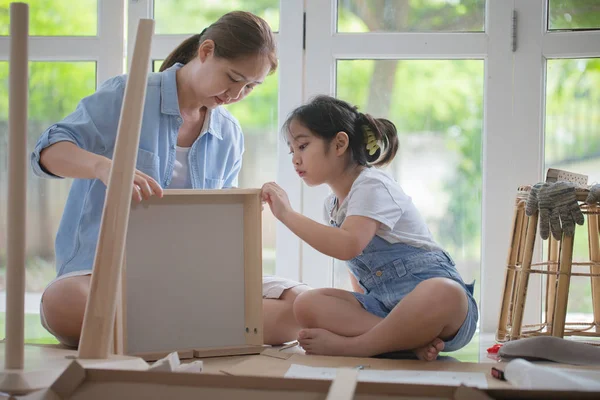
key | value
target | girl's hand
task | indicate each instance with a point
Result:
(144, 185)
(277, 199)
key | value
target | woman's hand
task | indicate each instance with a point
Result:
(277, 199)
(144, 185)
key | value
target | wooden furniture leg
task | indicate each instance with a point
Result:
(562, 288)
(98, 324)
(17, 186)
(519, 307)
(594, 244)
(518, 273)
(509, 280)
(553, 248)
(118, 333)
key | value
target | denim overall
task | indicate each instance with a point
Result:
(389, 271)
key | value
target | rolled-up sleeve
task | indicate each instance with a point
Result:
(92, 126)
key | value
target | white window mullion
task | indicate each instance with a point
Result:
(526, 139)
(291, 70)
(571, 44)
(111, 32)
(317, 268)
(57, 48)
(511, 144)
(137, 9)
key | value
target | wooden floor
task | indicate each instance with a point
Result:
(45, 363)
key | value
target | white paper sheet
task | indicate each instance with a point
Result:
(473, 379)
(526, 375)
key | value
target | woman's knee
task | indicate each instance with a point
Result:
(63, 305)
(290, 295)
(306, 306)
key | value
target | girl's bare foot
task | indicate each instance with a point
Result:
(323, 342)
(431, 351)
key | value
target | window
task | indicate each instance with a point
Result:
(573, 15)
(572, 143)
(410, 16)
(439, 160)
(55, 19)
(54, 91)
(397, 64)
(478, 114)
(67, 61)
(181, 17)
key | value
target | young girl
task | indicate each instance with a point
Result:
(187, 141)
(407, 293)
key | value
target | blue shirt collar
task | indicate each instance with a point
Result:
(169, 104)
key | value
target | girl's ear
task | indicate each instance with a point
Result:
(341, 143)
(206, 49)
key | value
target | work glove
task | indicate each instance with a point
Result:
(558, 208)
(594, 195)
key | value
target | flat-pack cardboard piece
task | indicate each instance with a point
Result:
(283, 352)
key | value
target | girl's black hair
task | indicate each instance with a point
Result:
(373, 141)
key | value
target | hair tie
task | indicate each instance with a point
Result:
(370, 140)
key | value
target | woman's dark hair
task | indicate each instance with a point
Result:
(373, 141)
(236, 34)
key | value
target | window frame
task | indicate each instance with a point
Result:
(513, 118)
(105, 48)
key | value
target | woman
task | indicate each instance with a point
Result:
(187, 141)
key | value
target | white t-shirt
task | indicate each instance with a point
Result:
(181, 169)
(376, 195)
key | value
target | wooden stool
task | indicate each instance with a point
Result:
(557, 267)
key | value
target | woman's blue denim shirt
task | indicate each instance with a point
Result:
(215, 158)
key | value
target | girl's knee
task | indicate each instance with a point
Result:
(448, 293)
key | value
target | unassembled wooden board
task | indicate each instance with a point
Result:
(101, 307)
(45, 363)
(193, 274)
(90, 384)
